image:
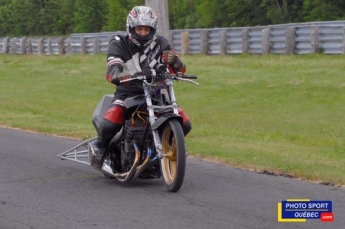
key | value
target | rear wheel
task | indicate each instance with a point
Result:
(173, 162)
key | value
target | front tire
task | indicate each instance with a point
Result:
(173, 162)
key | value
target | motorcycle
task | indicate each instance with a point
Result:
(151, 144)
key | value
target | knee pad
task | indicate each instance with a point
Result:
(183, 114)
(115, 114)
(187, 127)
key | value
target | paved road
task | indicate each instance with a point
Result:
(40, 191)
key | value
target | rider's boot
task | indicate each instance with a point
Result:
(97, 156)
(107, 131)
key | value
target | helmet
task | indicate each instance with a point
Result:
(142, 16)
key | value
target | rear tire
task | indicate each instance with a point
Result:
(173, 162)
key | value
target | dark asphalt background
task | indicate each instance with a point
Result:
(40, 191)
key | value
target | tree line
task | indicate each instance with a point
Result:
(63, 17)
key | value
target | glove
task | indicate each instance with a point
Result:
(169, 57)
(116, 78)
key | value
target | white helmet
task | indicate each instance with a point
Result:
(142, 16)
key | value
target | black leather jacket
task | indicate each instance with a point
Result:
(124, 56)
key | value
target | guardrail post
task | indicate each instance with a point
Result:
(96, 49)
(22, 46)
(50, 47)
(60, 45)
(5, 45)
(40, 46)
(185, 43)
(290, 37)
(83, 45)
(29, 45)
(204, 42)
(223, 43)
(13, 46)
(265, 33)
(245, 45)
(314, 38)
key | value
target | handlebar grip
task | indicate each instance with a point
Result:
(189, 77)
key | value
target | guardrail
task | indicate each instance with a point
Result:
(299, 38)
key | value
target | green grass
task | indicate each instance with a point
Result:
(282, 114)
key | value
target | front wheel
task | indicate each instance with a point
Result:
(173, 162)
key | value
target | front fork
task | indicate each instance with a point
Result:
(152, 117)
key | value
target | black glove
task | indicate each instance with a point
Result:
(116, 78)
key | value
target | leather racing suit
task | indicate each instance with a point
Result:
(125, 57)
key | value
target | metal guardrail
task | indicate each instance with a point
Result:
(297, 38)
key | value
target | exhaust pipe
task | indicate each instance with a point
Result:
(107, 171)
(127, 176)
(143, 166)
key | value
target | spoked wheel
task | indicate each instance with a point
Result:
(173, 163)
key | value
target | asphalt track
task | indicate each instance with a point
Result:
(40, 191)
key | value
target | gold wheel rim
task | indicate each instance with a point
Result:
(169, 161)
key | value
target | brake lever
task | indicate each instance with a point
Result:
(187, 80)
(179, 76)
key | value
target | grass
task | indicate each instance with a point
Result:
(275, 113)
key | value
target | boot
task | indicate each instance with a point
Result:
(107, 130)
(96, 157)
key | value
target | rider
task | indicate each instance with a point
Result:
(142, 50)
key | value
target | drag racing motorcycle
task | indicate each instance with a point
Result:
(151, 143)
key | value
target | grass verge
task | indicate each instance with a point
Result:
(281, 114)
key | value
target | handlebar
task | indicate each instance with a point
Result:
(161, 76)
(189, 77)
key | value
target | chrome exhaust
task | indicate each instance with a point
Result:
(135, 170)
(106, 170)
(143, 166)
(127, 176)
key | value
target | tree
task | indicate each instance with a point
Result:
(6, 22)
(61, 17)
(40, 17)
(118, 12)
(50, 17)
(283, 11)
(323, 10)
(66, 20)
(90, 15)
(246, 13)
(183, 14)
(23, 22)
